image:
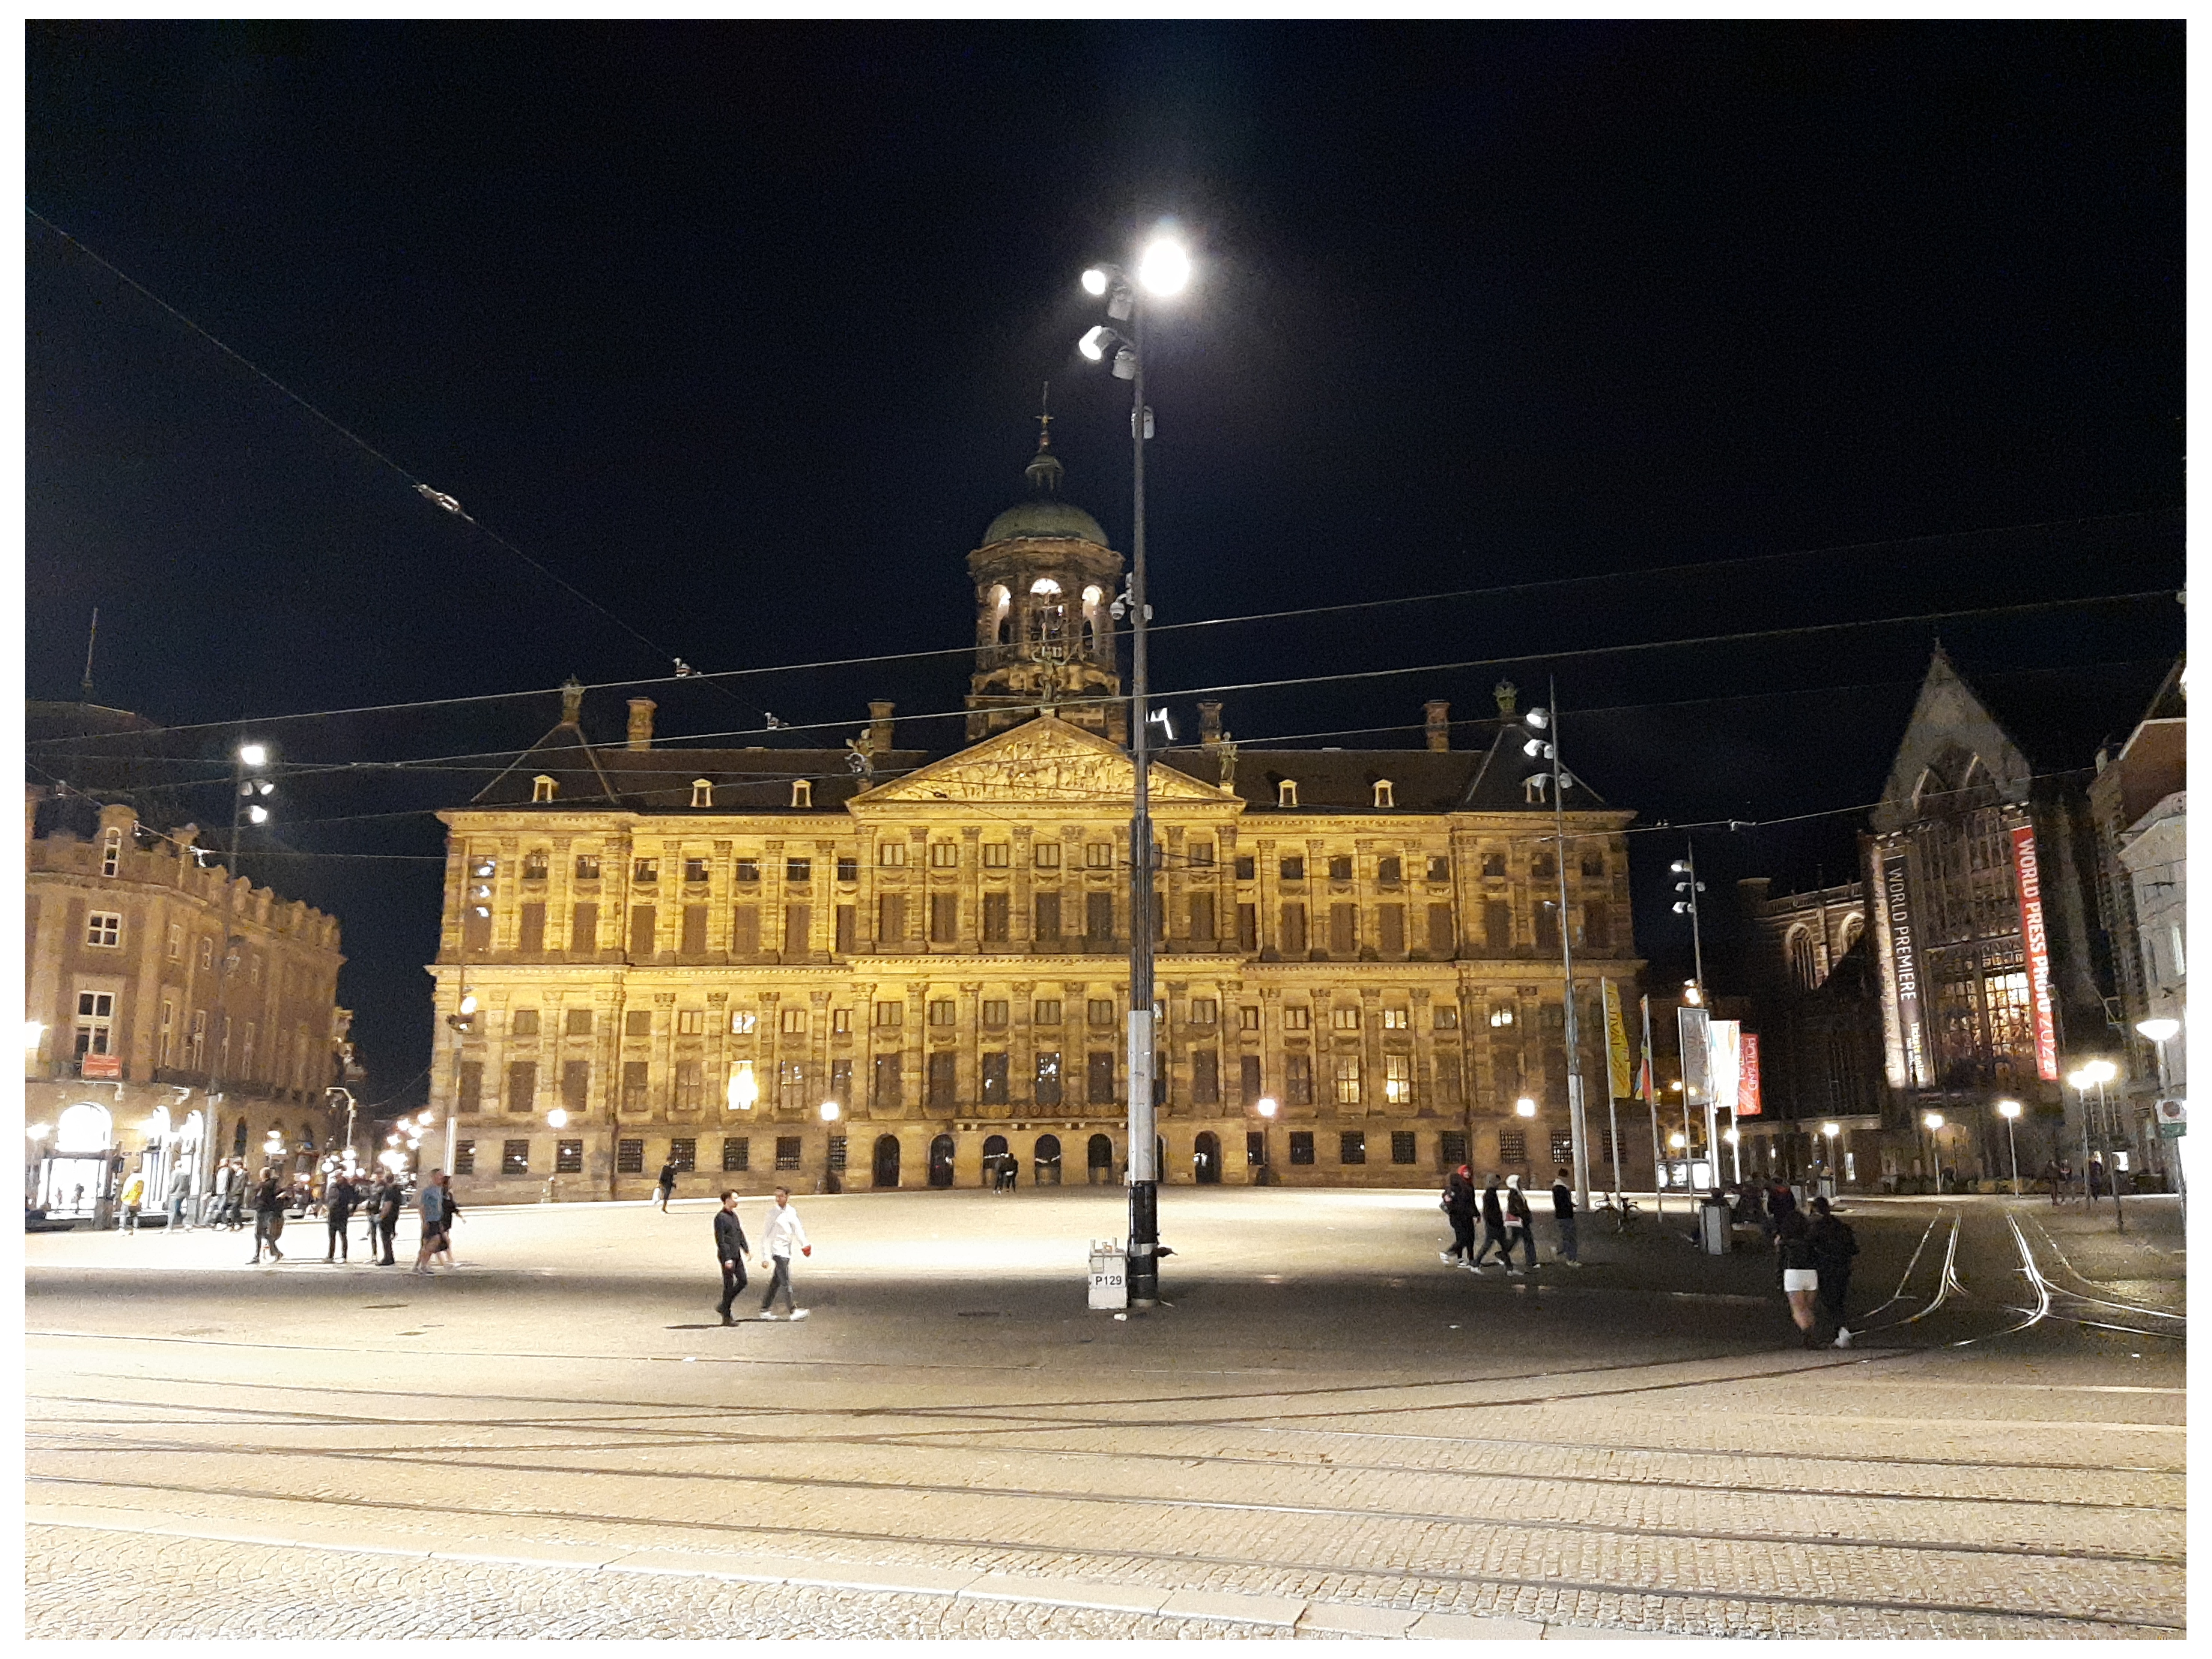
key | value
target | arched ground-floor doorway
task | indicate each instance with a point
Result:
(940, 1161)
(1047, 1161)
(1205, 1158)
(886, 1172)
(1098, 1159)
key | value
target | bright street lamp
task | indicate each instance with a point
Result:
(2009, 1111)
(1524, 1107)
(1933, 1122)
(558, 1118)
(2159, 1030)
(253, 754)
(1266, 1107)
(1162, 268)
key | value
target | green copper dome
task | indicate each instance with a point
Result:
(1045, 513)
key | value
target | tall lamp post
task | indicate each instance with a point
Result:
(2009, 1111)
(476, 901)
(1548, 749)
(245, 807)
(2101, 1072)
(1267, 1109)
(1828, 1133)
(2162, 1031)
(1932, 1122)
(829, 1181)
(1163, 270)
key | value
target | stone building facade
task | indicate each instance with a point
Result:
(684, 953)
(150, 974)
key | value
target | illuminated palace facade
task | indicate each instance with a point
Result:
(688, 955)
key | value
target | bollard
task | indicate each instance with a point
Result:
(1109, 1275)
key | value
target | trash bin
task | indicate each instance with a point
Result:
(1713, 1225)
(1828, 1188)
(1109, 1275)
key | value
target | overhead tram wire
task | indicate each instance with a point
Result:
(435, 496)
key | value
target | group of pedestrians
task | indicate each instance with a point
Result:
(1815, 1260)
(1507, 1222)
(780, 1236)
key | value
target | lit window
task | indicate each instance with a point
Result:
(703, 792)
(1383, 796)
(942, 1012)
(998, 854)
(103, 929)
(1398, 1079)
(794, 1019)
(1287, 792)
(1345, 1017)
(1348, 1080)
(744, 1022)
(1045, 585)
(890, 1013)
(535, 863)
(1296, 1016)
(1098, 855)
(690, 1022)
(1205, 1010)
(542, 789)
(1397, 1019)
(802, 793)
(1046, 855)
(944, 855)
(891, 852)
(111, 853)
(1447, 1017)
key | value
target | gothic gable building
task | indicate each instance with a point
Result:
(884, 967)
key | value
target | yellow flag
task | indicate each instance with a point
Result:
(1616, 1045)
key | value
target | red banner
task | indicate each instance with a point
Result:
(2036, 941)
(1746, 1096)
(100, 1066)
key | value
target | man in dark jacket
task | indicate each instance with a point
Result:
(1520, 1227)
(268, 1216)
(1459, 1209)
(389, 1198)
(1563, 1213)
(1834, 1244)
(730, 1247)
(1493, 1228)
(340, 1196)
(666, 1187)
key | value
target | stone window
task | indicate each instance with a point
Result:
(1543, 866)
(513, 1157)
(1248, 1018)
(629, 1158)
(1205, 1078)
(888, 1012)
(684, 1155)
(176, 942)
(744, 1022)
(798, 871)
(1287, 794)
(1302, 1147)
(567, 1158)
(1045, 855)
(888, 1091)
(944, 918)
(840, 1021)
(1045, 1011)
(464, 1157)
(1205, 1010)
(1352, 1146)
(890, 853)
(1098, 1078)
(998, 854)
(1445, 1016)
(522, 1088)
(1563, 1149)
(1388, 870)
(522, 1022)
(941, 1085)
(535, 863)
(945, 855)
(104, 928)
(542, 789)
(1344, 1016)
(944, 1011)
(747, 868)
(703, 792)
(1102, 1011)
(995, 907)
(1199, 854)
(1493, 864)
(1098, 855)
(1385, 795)
(637, 1022)
(1248, 868)
(794, 1021)
(1098, 916)
(802, 792)
(695, 869)
(1512, 1146)
(1594, 866)
(1046, 1086)
(1293, 933)
(737, 1154)
(995, 1078)
(1439, 867)
(1451, 1147)
(786, 1151)
(1297, 1080)
(1296, 1016)
(646, 873)
(1294, 869)
(995, 1015)
(1397, 1019)
(848, 869)
(1404, 1147)
(1398, 1079)
(1347, 1079)
(587, 866)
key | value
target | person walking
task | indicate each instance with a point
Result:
(268, 1216)
(1563, 1214)
(339, 1198)
(453, 1214)
(1459, 1206)
(777, 1239)
(1834, 1244)
(729, 1248)
(431, 1202)
(179, 1195)
(134, 1199)
(234, 1201)
(1493, 1229)
(1801, 1276)
(384, 1220)
(1520, 1228)
(666, 1184)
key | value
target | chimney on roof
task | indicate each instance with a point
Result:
(1439, 725)
(641, 722)
(879, 726)
(1209, 724)
(1509, 698)
(572, 702)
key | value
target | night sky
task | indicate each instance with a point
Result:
(740, 329)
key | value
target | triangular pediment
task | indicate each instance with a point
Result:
(1041, 761)
(1953, 746)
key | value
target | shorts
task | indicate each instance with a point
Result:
(1800, 1279)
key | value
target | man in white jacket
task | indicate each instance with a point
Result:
(782, 1232)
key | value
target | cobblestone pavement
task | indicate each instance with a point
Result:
(1327, 1432)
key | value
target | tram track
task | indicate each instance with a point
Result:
(1058, 1555)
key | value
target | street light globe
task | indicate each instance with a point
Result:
(1524, 1107)
(1832, 1130)
(468, 1002)
(1093, 344)
(556, 1118)
(253, 754)
(1675, 1143)
(2077, 1079)
(2100, 1071)
(1731, 1136)
(1164, 270)
(1932, 1119)
(2159, 1030)
(830, 1109)
(256, 815)
(1095, 280)
(2007, 1108)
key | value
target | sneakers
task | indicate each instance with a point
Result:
(766, 1314)
(1472, 1267)
(1842, 1337)
(1446, 1256)
(798, 1314)
(1516, 1273)
(726, 1320)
